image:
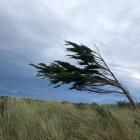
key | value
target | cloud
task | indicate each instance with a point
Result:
(33, 31)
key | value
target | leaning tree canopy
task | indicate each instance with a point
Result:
(90, 74)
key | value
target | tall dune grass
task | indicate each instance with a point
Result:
(43, 120)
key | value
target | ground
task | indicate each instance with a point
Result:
(22, 119)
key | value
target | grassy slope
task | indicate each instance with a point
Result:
(32, 120)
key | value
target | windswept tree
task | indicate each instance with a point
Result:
(91, 73)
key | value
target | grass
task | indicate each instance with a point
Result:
(43, 120)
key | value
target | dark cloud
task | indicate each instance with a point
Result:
(33, 31)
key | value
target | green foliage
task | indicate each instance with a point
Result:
(3, 105)
(92, 73)
(123, 104)
(80, 105)
(81, 52)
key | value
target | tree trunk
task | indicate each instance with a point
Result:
(129, 97)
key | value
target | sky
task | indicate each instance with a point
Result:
(33, 31)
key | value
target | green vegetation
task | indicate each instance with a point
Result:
(42, 120)
(91, 73)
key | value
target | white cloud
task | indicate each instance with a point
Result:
(127, 75)
(35, 30)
